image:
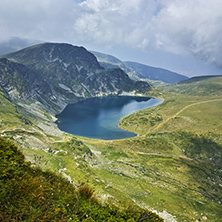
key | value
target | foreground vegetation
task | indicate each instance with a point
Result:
(173, 166)
(29, 194)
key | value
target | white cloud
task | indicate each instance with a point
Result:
(120, 22)
(174, 26)
(191, 26)
(39, 19)
(180, 27)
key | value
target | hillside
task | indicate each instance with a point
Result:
(109, 61)
(153, 73)
(29, 194)
(172, 167)
(139, 71)
(20, 82)
(197, 79)
(197, 86)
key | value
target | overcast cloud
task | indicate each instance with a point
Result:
(149, 27)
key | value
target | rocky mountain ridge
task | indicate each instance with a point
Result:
(139, 71)
(20, 83)
(56, 74)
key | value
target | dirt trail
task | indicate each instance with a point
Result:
(186, 107)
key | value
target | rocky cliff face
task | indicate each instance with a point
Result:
(20, 83)
(57, 74)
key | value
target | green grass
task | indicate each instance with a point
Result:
(206, 87)
(161, 179)
(29, 194)
(8, 115)
(173, 166)
(42, 159)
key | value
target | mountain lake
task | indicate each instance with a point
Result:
(99, 117)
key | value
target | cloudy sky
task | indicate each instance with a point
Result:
(183, 36)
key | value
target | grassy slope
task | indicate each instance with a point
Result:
(155, 169)
(190, 136)
(29, 194)
(174, 166)
(209, 86)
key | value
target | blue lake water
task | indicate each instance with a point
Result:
(99, 117)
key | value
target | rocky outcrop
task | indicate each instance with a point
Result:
(20, 83)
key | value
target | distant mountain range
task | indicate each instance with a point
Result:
(139, 71)
(136, 71)
(56, 74)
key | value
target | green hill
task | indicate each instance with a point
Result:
(197, 86)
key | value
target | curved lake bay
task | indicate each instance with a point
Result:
(99, 117)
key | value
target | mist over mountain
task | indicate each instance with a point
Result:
(14, 44)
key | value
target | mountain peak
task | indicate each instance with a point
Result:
(56, 52)
(73, 73)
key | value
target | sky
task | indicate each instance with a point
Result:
(182, 36)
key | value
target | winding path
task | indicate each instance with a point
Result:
(186, 107)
